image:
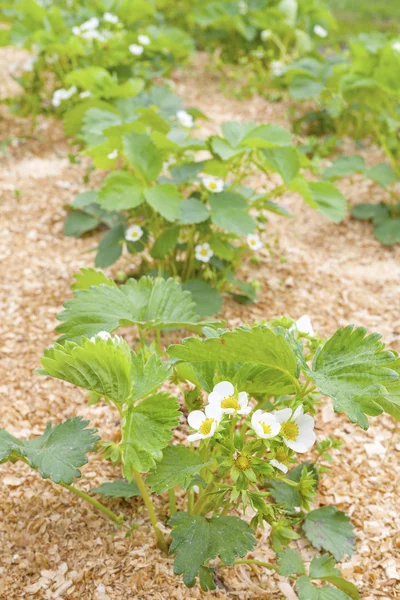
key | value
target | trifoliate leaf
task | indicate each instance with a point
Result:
(290, 563)
(99, 366)
(178, 466)
(265, 353)
(353, 368)
(119, 488)
(323, 566)
(152, 303)
(146, 430)
(307, 591)
(195, 540)
(330, 529)
(59, 452)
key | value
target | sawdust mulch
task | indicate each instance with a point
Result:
(54, 546)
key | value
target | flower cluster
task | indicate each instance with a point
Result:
(63, 94)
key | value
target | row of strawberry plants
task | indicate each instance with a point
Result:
(182, 203)
(248, 397)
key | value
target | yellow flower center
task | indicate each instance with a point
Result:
(266, 428)
(243, 462)
(205, 427)
(212, 185)
(230, 402)
(290, 430)
(281, 454)
(204, 252)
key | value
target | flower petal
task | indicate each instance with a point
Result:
(194, 437)
(256, 417)
(243, 399)
(215, 398)
(283, 415)
(196, 418)
(298, 412)
(224, 389)
(278, 465)
(213, 411)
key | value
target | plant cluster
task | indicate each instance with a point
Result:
(247, 403)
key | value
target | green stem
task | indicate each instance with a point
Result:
(190, 501)
(172, 501)
(151, 512)
(109, 513)
(199, 505)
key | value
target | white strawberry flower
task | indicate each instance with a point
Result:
(110, 18)
(254, 242)
(133, 233)
(264, 424)
(136, 49)
(223, 397)
(297, 429)
(76, 30)
(243, 8)
(277, 68)
(304, 325)
(184, 118)
(102, 335)
(85, 94)
(320, 31)
(203, 252)
(63, 94)
(91, 24)
(213, 184)
(113, 154)
(144, 39)
(265, 34)
(205, 423)
(278, 465)
(396, 46)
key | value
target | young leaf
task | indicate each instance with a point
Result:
(152, 303)
(119, 488)
(307, 591)
(256, 346)
(323, 566)
(120, 191)
(195, 540)
(330, 529)
(178, 466)
(353, 368)
(87, 277)
(287, 495)
(143, 155)
(146, 430)
(290, 563)
(99, 366)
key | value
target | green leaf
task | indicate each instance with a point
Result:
(9, 444)
(384, 174)
(345, 166)
(290, 563)
(193, 211)
(110, 248)
(352, 368)
(222, 249)
(146, 430)
(99, 366)
(330, 202)
(284, 161)
(151, 303)
(120, 191)
(143, 155)
(95, 122)
(166, 200)
(256, 346)
(267, 136)
(287, 495)
(345, 586)
(323, 566)
(78, 222)
(374, 212)
(148, 373)
(388, 232)
(119, 488)
(178, 466)
(186, 172)
(165, 243)
(207, 299)
(390, 402)
(230, 212)
(196, 540)
(307, 591)
(87, 277)
(330, 529)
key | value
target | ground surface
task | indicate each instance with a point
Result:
(51, 544)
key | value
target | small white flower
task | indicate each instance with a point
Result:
(265, 425)
(254, 242)
(63, 94)
(76, 30)
(110, 18)
(185, 118)
(203, 252)
(133, 233)
(136, 49)
(113, 155)
(144, 39)
(396, 46)
(102, 335)
(205, 422)
(91, 24)
(265, 34)
(85, 94)
(223, 397)
(213, 184)
(320, 31)
(278, 465)
(304, 325)
(243, 8)
(297, 429)
(28, 64)
(277, 68)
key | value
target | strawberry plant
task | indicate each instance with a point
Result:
(248, 420)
